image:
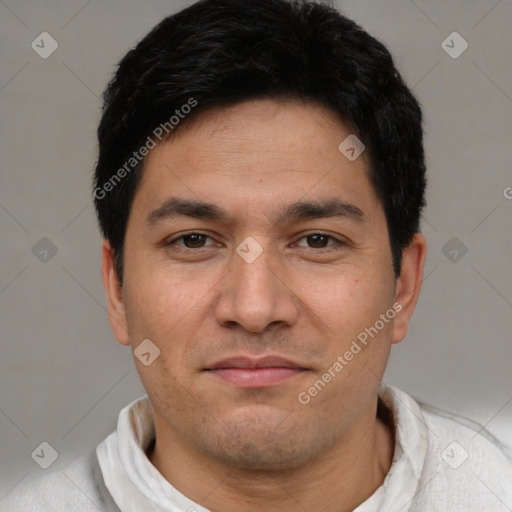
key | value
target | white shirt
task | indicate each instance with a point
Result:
(441, 463)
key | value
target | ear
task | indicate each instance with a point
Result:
(408, 285)
(114, 291)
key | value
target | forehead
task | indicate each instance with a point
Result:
(256, 155)
(262, 130)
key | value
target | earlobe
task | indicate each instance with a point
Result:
(114, 292)
(408, 285)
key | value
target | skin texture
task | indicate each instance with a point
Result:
(248, 449)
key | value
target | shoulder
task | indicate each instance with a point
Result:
(465, 465)
(471, 440)
(79, 487)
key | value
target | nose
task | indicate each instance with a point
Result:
(256, 294)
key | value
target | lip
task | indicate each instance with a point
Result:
(255, 372)
(255, 363)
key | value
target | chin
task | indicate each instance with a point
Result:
(262, 442)
(251, 456)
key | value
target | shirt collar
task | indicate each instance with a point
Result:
(135, 484)
(411, 441)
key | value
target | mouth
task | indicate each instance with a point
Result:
(250, 372)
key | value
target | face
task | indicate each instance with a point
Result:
(282, 263)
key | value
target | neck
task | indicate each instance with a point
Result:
(337, 481)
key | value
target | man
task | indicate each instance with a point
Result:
(259, 187)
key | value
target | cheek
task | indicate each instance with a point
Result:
(348, 300)
(162, 306)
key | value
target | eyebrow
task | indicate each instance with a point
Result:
(297, 211)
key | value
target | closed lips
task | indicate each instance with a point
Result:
(247, 363)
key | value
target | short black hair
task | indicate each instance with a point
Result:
(222, 52)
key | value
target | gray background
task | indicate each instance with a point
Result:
(63, 376)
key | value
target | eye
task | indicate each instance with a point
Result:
(196, 240)
(190, 241)
(320, 241)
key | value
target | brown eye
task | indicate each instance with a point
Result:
(190, 241)
(194, 240)
(319, 241)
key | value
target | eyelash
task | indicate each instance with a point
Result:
(334, 247)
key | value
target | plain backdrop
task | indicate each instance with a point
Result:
(64, 378)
